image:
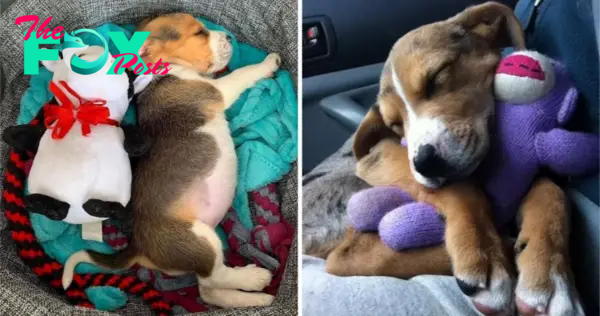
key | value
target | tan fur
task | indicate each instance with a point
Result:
(176, 91)
(175, 39)
(542, 244)
(469, 227)
(364, 254)
(183, 114)
(460, 56)
(463, 91)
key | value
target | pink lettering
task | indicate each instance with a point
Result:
(27, 18)
(56, 33)
(149, 71)
(43, 30)
(166, 71)
(138, 68)
(130, 63)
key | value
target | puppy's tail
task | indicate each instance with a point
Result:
(120, 260)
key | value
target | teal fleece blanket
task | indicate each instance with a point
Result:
(263, 123)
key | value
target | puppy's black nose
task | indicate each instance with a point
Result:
(228, 38)
(428, 163)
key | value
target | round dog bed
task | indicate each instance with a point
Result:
(23, 292)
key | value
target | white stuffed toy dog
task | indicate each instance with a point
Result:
(81, 173)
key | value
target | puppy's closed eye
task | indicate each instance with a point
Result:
(436, 79)
(201, 31)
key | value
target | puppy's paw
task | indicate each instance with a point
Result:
(272, 63)
(486, 281)
(481, 267)
(262, 299)
(274, 60)
(254, 278)
(228, 298)
(545, 284)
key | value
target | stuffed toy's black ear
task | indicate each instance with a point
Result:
(136, 142)
(23, 137)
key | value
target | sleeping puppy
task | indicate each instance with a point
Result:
(185, 185)
(436, 91)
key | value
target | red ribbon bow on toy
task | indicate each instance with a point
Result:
(65, 114)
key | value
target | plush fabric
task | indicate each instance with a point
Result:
(326, 294)
(248, 20)
(266, 245)
(401, 222)
(263, 120)
(48, 269)
(410, 226)
(568, 31)
(263, 123)
(530, 136)
(527, 136)
(379, 201)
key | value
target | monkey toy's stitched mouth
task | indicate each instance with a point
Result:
(522, 66)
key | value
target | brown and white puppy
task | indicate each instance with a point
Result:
(185, 184)
(436, 91)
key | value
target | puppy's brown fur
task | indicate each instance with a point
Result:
(185, 184)
(178, 38)
(170, 112)
(446, 70)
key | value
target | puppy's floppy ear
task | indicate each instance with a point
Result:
(494, 22)
(372, 129)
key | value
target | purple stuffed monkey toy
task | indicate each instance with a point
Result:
(535, 99)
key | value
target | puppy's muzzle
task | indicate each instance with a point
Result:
(430, 164)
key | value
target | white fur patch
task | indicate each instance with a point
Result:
(499, 294)
(421, 131)
(187, 73)
(219, 186)
(222, 50)
(228, 298)
(412, 116)
(563, 302)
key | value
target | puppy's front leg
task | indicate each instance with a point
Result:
(546, 282)
(479, 261)
(234, 84)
